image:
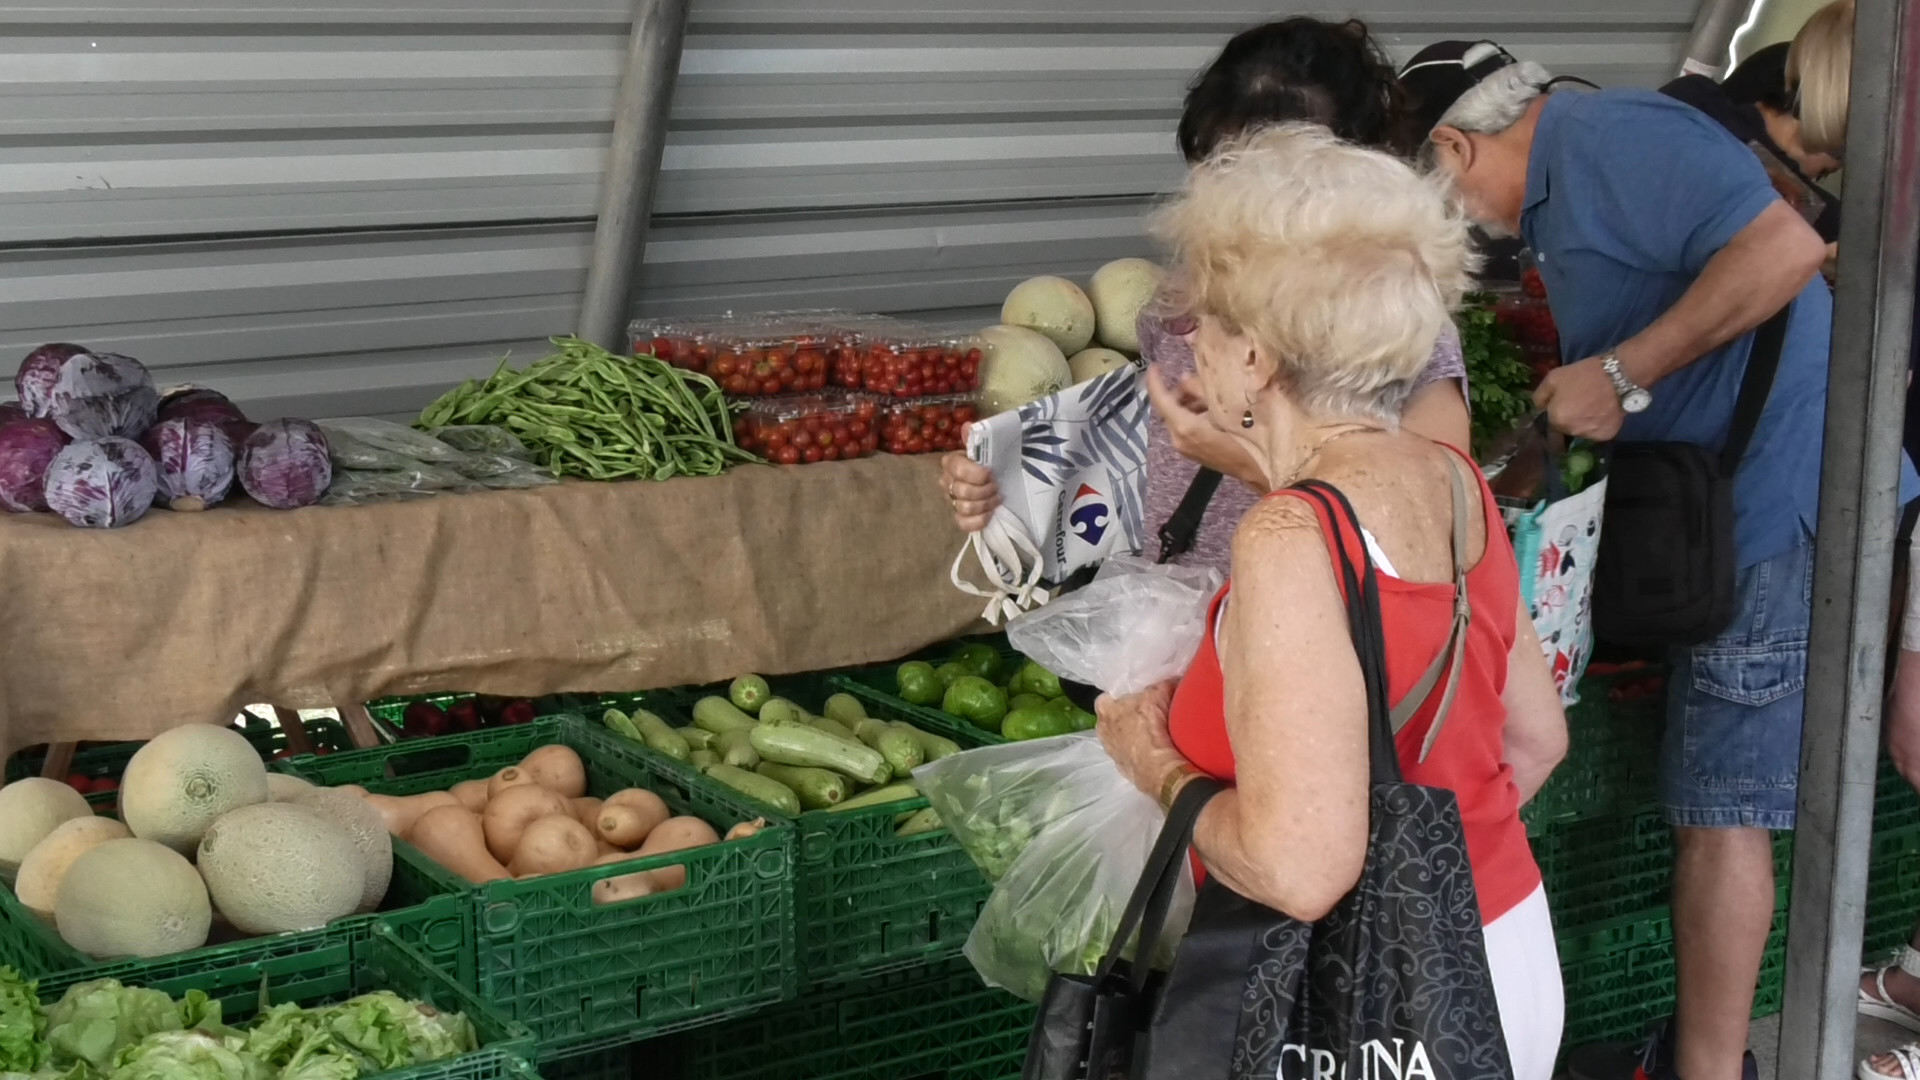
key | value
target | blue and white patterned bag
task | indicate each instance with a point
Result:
(1071, 469)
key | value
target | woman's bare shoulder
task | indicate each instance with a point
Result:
(1276, 524)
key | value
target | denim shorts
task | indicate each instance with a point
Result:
(1734, 705)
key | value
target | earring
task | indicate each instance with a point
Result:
(1246, 419)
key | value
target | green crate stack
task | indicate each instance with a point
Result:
(1613, 736)
(381, 961)
(866, 900)
(1893, 878)
(580, 975)
(107, 761)
(938, 1023)
(389, 713)
(613, 1063)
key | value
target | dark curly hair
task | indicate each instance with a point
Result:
(1298, 69)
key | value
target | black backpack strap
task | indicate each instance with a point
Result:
(1755, 387)
(1176, 535)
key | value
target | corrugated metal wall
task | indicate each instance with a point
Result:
(328, 206)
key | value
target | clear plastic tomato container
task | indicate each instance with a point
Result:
(681, 342)
(907, 361)
(763, 357)
(927, 425)
(806, 428)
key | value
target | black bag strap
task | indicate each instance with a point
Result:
(1152, 898)
(1755, 387)
(1178, 531)
(1361, 585)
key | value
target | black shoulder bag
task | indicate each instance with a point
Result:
(1666, 570)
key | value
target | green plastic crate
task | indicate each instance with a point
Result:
(381, 961)
(580, 975)
(934, 1024)
(613, 1063)
(389, 713)
(866, 900)
(1613, 754)
(107, 761)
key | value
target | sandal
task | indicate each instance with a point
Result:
(1907, 1057)
(1880, 1004)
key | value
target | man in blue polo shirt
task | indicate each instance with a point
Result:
(1663, 245)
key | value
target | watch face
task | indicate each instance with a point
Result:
(1636, 401)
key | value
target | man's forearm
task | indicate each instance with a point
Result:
(1762, 269)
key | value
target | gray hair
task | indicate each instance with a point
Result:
(1498, 101)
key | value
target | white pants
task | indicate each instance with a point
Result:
(1526, 980)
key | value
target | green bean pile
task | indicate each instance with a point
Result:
(586, 412)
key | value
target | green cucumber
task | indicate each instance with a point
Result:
(758, 788)
(697, 738)
(925, 821)
(819, 789)
(932, 747)
(801, 744)
(901, 750)
(703, 759)
(736, 749)
(845, 708)
(892, 793)
(654, 732)
(719, 716)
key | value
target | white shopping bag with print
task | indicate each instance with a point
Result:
(1555, 542)
(1071, 469)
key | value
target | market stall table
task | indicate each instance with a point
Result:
(187, 617)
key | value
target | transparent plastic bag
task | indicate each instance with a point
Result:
(347, 452)
(1136, 624)
(393, 437)
(1064, 837)
(483, 439)
(520, 475)
(354, 487)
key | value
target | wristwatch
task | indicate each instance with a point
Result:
(1634, 398)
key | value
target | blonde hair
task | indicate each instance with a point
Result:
(1342, 263)
(1819, 65)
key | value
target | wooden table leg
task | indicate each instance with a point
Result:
(59, 761)
(298, 740)
(360, 726)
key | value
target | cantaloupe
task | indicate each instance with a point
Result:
(370, 837)
(30, 809)
(1021, 365)
(132, 898)
(38, 884)
(177, 785)
(275, 867)
(284, 788)
(1093, 363)
(1055, 307)
(1120, 290)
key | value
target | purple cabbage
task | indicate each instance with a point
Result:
(286, 464)
(11, 411)
(27, 447)
(198, 403)
(102, 483)
(103, 395)
(195, 461)
(38, 372)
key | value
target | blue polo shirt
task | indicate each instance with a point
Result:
(1629, 194)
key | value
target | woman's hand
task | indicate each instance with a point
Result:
(1182, 408)
(969, 487)
(1134, 731)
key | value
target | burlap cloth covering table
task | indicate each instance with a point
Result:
(184, 617)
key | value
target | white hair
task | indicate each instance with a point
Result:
(1498, 101)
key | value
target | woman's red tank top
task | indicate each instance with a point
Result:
(1468, 758)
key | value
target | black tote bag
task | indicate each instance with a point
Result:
(1393, 982)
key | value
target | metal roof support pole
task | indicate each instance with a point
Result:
(633, 167)
(1859, 507)
(1713, 32)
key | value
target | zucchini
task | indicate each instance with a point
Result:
(924, 821)
(758, 788)
(697, 738)
(901, 750)
(654, 732)
(892, 793)
(819, 789)
(801, 744)
(780, 711)
(703, 759)
(932, 747)
(736, 750)
(834, 728)
(845, 708)
(718, 716)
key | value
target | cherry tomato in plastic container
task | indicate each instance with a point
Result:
(800, 428)
(925, 425)
(905, 361)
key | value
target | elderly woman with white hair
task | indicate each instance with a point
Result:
(1319, 276)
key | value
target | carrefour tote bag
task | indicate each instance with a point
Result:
(1071, 469)
(1556, 540)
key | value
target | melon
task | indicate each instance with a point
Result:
(179, 784)
(38, 884)
(1093, 363)
(132, 898)
(31, 809)
(1020, 365)
(1120, 291)
(1052, 306)
(276, 867)
(370, 837)
(284, 788)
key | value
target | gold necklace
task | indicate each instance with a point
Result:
(1315, 453)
